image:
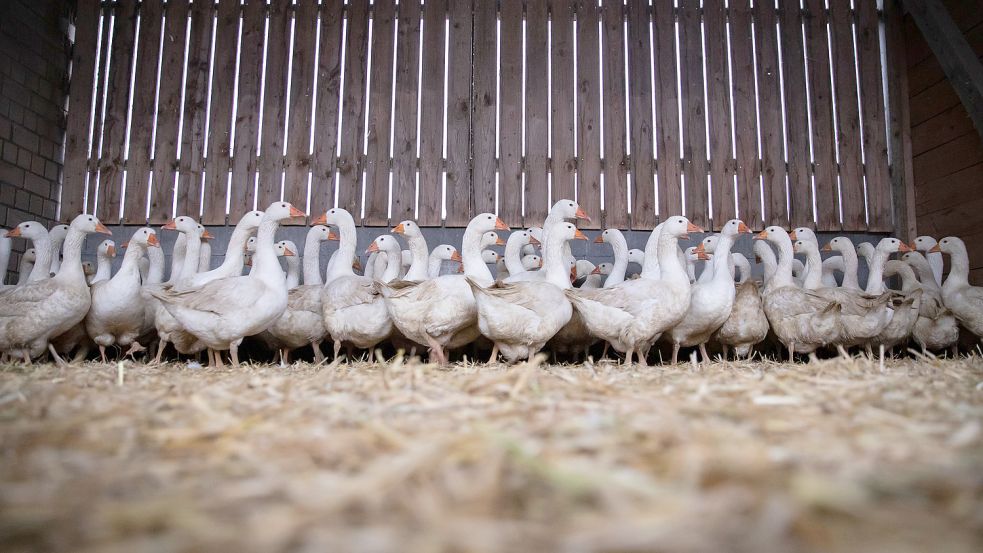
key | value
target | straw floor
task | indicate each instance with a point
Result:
(826, 456)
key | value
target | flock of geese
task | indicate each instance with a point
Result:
(449, 298)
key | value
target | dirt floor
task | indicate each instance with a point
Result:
(826, 456)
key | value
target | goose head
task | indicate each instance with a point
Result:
(203, 232)
(58, 233)
(532, 262)
(709, 244)
(698, 253)
(408, 228)
(568, 209)
(384, 243)
(679, 227)
(334, 217)
(251, 245)
(734, 227)
(107, 248)
(490, 257)
(88, 269)
(949, 245)
(803, 233)
(29, 256)
(491, 238)
(89, 224)
(838, 244)
(31, 230)
(605, 236)
(144, 237)
(484, 222)
(636, 255)
(524, 237)
(251, 220)
(184, 224)
(805, 247)
(322, 233)
(923, 243)
(286, 248)
(603, 269)
(891, 245)
(447, 252)
(865, 250)
(583, 268)
(775, 235)
(281, 211)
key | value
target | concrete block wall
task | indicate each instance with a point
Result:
(34, 59)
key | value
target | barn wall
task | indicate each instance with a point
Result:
(947, 151)
(33, 64)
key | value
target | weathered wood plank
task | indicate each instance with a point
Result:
(563, 163)
(821, 105)
(588, 113)
(510, 118)
(458, 192)
(218, 159)
(142, 113)
(537, 113)
(323, 163)
(195, 110)
(694, 115)
(242, 197)
(796, 119)
(432, 113)
(353, 109)
(770, 116)
(168, 112)
(847, 116)
(615, 133)
(114, 126)
(718, 113)
(274, 105)
(87, 15)
(901, 194)
(297, 164)
(642, 153)
(745, 126)
(380, 114)
(404, 131)
(667, 115)
(483, 105)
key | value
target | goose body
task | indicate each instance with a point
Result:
(937, 328)
(963, 299)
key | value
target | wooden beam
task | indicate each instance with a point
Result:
(961, 66)
(899, 138)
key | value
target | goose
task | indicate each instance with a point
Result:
(169, 329)
(234, 253)
(31, 314)
(764, 255)
(633, 315)
(906, 307)
(964, 300)
(636, 256)
(747, 324)
(709, 246)
(289, 250)
(225, 311)
(57, 236)
(619, 248)
(866, 251)
(831, 266)
(925, 244)
(848, 258)
(105, 254)
(418, 269)
(441, 253)
(712, 300)
(205, 251)
(116, 316)
(532, 262)
(88, 269)
(41, 242)
(582, 269)
(440, 313)
(177, 258)
(302, 323)
(532, 249)
(370, 263)
(352, 307)
(520, 317)
(562, 210)
(936, 328)
(405, 260)
(26, 266)
(595, 279)
(692, 256)
(512, 260)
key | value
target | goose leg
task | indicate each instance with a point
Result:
(135, 348)
(102, 354)
(161, 344)
(628, 356)
(316, 346)
(55, 355)
(219, 364)
(703, 353)
(791, 352)
(234, 353)
(604, 353)
(726, 351)
(642, 361)
(494, 354)
(337, 348)
(881, 348)
(211, 357)
(26, 354)
(675, 353)
(436, 350)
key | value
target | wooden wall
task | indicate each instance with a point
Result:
(947, 151)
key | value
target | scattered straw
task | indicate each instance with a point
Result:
(832, 455)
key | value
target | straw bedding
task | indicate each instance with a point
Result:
(830, 456)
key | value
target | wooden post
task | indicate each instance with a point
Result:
(899, 138)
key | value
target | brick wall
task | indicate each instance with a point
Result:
(34, 58)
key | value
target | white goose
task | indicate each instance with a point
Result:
(234, 253)
(619, 248)
(289, 250)
(964, 300)
(225, 311)
(926, 244)
(25, 266)
(747, 324)
(441, 253)
(57, 236)
(41, 242)
(105, 254)
(513, 249)
(937, 328)
(418, 269)
(848, 255)
(905, 306)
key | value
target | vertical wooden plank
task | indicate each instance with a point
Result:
(114, 126)
(458, 198)
(242, 197)
(142, 114)
(483, 105)
(324, 160)
(220, 123)
(770, 115)
(872, 108)
(95, 149)
(742, 59)
(537, 118)
(694, 115)
(718, 113)
(87, 16)
(353, 109)
(588, 113)
(380, 115)
(274, 107)
(510, 116)
(168, 111)
(404, 129)
(821, 104)
(847, 116)
(432, 113)
(667, 115)
(899, 140)
(563, 162)
(796, 119)
(298, 161)
(195, 110)
(615, 164)
(643, 214)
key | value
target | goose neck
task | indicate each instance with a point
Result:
(419, 269)
(670, 267)
(340, 264)
(554, 261)
(433, 265)
(814, 268)
(513, 255)
(42, 260)
(177, 258)
(265, 263)
(192, 255)
(723, 263)
(312, 259)
(71, 265)
(155, 274)
(5, 247)
(130, 266)
(235, 251)
(850, 267)
(474, 265)
(958, 266)
(875, 279)
(619, 247)
(783, 270)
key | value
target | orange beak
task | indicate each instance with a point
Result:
(207, 235)
(13, 233)
(111, 251)
(540, 263)
(577, 235)
(761, 236)
(153, 241)
(294, 212)
(170, 225)
(373, 247)
(903, 248)
(460, 269)
(690, 227)
(248, 262)
(125, 245)
(912, 246)
(599, 239)
(828, 248)
(793, 236)
(322, 220)
(332, 236)
(500, 225)
(357, 265)
(101, 229)
(701, 249)
(596, 271)
(499, 242)
(534, 241)
(581, 214)
(741, 227)
(935, 249)
(398, 229)
(573, 273)
(456, 256)
(287, 252)
(702, 256)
